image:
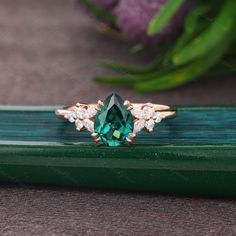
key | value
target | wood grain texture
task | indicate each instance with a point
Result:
(40, 210)
(193, 153)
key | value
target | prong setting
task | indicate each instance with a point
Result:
(128, 140)
(131, 137)
(128, 105)
(94, 135)
(99, 105)
(97, 140)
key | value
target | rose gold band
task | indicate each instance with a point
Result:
(166, 111)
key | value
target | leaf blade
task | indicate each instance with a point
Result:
(98, 11)
(160, 20)
(185, 73)
(217, 33)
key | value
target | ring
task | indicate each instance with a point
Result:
(114, 121)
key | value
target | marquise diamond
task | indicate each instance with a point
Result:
(148, 112)
(79, 124)
(137, 113)
(89, 125)
(138, 125)
(150, 125)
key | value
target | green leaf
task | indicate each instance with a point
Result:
(192, 19)
(132, 79)
(99, 11)
(162, 18)
(185, 73)
(226, 66)
(137, 48)
(218, 32)
(131, 69)
(171, 80)
(124, 80)
(192, 27)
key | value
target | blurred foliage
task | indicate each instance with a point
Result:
(205, 47)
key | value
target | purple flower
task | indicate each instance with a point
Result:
(133, 17)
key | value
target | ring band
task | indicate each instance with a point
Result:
(114, 121)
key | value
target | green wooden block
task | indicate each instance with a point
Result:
(194, 153)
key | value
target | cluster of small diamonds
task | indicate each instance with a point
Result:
(82, 116)
(146, 117)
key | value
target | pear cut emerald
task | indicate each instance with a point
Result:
(114, 122)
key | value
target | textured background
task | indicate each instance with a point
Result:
(48, 54)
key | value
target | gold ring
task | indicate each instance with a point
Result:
(114, 121)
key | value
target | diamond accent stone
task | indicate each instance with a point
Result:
(90, 112)
(148, 112)
(80, 112)
(150, 124)
(79, 124)
(71, 116)
(137, 113)
(158, 117)
(89, 125)
(138, 125)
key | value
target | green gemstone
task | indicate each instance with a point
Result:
(114, 122)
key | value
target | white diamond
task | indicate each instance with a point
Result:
(138, 125)
(70, 116)
(148, 112)
(79, 111)
(71, 119)
(150, 124)
(79, 124)
(90, 112)
(138, 113)
(89, 125)
(158, 117)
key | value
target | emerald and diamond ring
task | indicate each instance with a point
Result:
(114, 121)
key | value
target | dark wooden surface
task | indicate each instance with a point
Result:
(48, 54)
(34, 210)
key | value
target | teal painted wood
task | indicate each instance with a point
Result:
(193, 153)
